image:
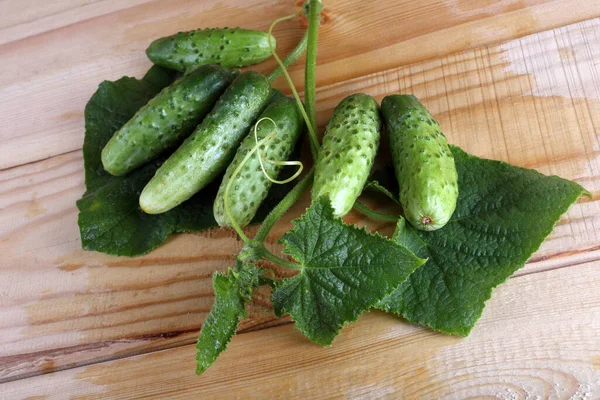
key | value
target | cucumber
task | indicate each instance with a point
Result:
(166, 120)
(423, 162)
(276, 95)
(349, 147)
(206, 153)
(226, 47)
(250, 187)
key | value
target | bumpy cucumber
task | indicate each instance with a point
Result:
(208, 151)
(349, 147)
(423, 161)
(166, 120)
(250, 186)
(226, 47)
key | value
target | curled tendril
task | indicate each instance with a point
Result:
(257, 146)
(278, 163)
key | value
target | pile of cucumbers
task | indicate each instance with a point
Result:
(219, 120)
(209, 115)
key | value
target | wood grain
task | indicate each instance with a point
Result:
(60, 53)
(533, 102)
(532, 342)
(27, 18)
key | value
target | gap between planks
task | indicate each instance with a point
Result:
(41, 160)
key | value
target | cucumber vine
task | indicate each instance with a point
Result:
(255, 249)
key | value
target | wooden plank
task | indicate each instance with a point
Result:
(28, 11)
(27, 18)
(60, 66)
(538, 339)
(532, 101)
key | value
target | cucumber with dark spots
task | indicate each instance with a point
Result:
(166, 120)
(423, 162)
(226, 47)
(250, 187)
(206, 153)
(349, 148)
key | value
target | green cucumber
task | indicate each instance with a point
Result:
(349, 148)
(166, 120)
(226, 47)
(206, 153)
(250, 187)
(275, 95)
(423, 161)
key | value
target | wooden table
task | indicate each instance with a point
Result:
(511, 80)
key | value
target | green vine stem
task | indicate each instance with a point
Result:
(310, 89)
(363, 209)
(256, 248)
(314, 141)
(284, 205)
(278, 260)
(291, 58)
(315, 7)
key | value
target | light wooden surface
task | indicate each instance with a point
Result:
(533, 342)
(533, 101)
(60, 58)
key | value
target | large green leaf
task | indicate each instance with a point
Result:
(503, 215)
(232, 291)
(344, 272)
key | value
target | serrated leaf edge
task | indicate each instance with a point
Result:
(327, 203)
(199, 370)
(467, 329)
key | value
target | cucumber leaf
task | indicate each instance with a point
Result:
(503, 215)
(110, 219)
(344, 272)
(232, 291)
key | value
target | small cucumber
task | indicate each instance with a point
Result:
(207, 152)
(349, 148)
(226, 47)
(423, 161)
(250, 187)
(166, 120)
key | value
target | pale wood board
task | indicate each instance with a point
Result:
(60, 58)
(533, 102)
(532, 342)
